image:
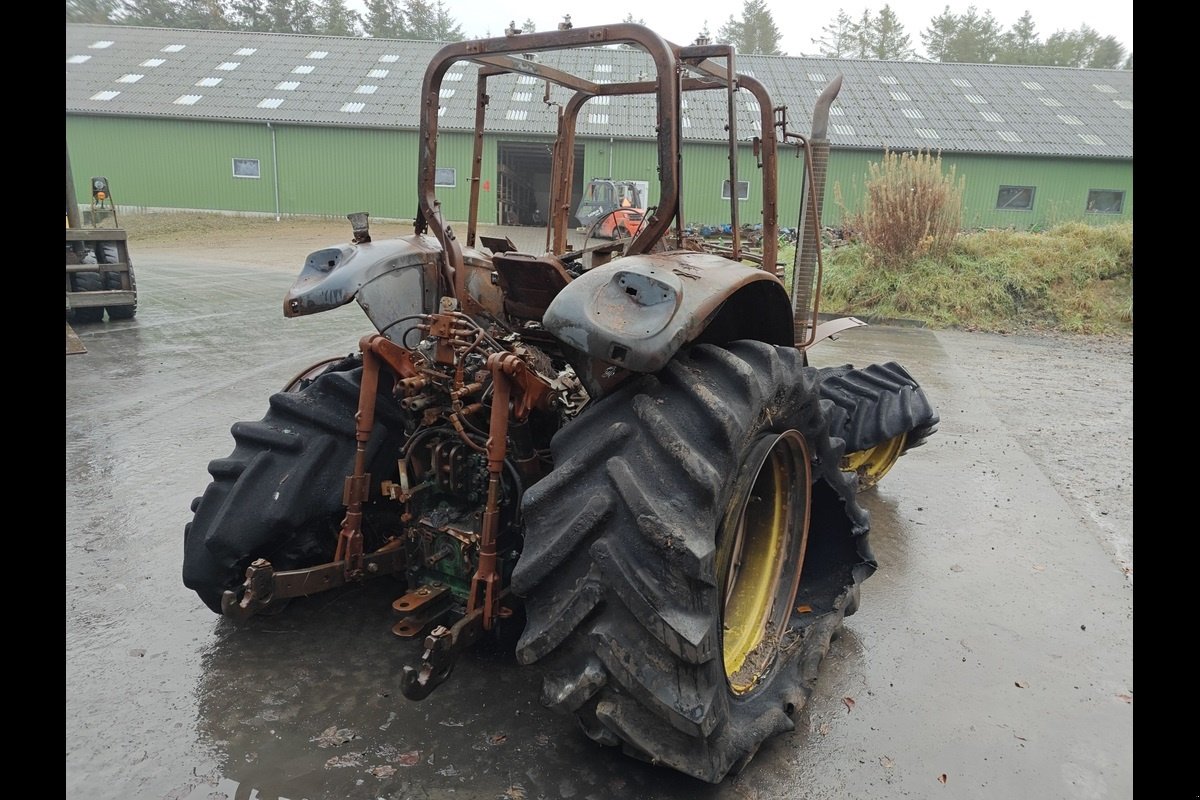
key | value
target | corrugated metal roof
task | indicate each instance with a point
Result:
(325, 80)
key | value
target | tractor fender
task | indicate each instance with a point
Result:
(391, 279)
(636, 312)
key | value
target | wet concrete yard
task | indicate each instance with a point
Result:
(991, 655)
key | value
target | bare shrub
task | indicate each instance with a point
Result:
(912, 209)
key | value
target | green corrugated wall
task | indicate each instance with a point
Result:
(171, 164)
(1061, 187)
(324, 171)
(333, 171)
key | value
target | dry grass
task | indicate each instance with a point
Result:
(1072, 278)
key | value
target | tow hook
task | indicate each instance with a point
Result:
(443, 646)
(257, 592)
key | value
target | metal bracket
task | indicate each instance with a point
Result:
(423, 607)
(442, 648)
(264, 587)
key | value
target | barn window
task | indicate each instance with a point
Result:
(445, 176)
(1105, 201)
(743, 189)
(1015, 198)
(246, 168)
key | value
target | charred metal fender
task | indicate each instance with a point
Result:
(391, 279)
(636, 312)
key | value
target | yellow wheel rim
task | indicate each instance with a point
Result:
(873, 463)
(762, 547)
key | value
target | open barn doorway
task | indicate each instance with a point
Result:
(523, 182)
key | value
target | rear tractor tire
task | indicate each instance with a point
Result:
(881, 414)
(689, 558)
(278, 495)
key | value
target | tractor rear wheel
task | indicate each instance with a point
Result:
(690, 556)
(880, 412)
(278, 495)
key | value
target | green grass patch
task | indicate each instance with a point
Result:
(1072, 278)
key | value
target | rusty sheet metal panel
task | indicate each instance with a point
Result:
(637, 311)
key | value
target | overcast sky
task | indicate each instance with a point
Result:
(799, 22)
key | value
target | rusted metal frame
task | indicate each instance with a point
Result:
(526, 67)
(696, 57)
(376, 351)
(429, 208)
(561, 202)
(560, 188)
(555, 156)
(481, 103)
(561, 199)
(735, 226)
(509, 372)
(358, 485)
(769, 168)
(265, 587)
(487, 579)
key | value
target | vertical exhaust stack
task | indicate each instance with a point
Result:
(808, 237)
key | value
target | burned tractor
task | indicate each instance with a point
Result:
(621, 448)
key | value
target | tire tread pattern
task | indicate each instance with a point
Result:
(619, 562)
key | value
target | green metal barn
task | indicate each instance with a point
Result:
(287, 124)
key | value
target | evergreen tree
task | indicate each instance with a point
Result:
(151, 13)
(886, 39)
(445, 28)
(1020, 45)
(938, 36)
(840, 39)
(304, 17)
(334, 18)
(862, 29)
(204, 14)
(418, 19)
(971, 37)
(755, 32)
(276, 16)
(1107, 54)
(1083, 48)
(97, 12)
(249, 15)
(383, 19)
